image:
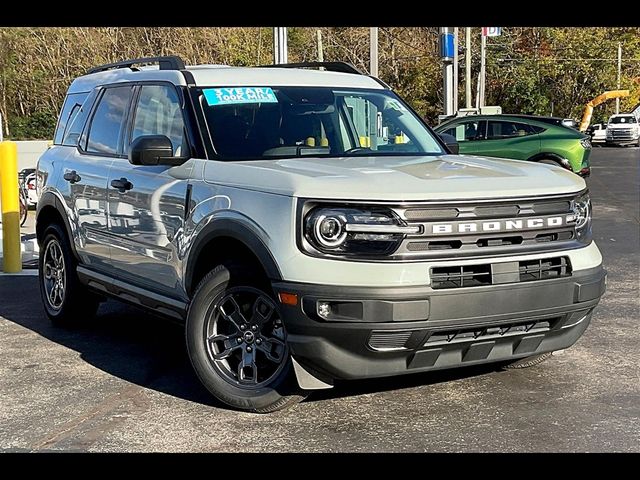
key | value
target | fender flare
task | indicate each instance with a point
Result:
(51, 199)
(227, 227)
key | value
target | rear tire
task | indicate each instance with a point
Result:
(528, 361)
(237, 343)
(66, 301)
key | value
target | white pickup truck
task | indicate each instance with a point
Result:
(598, 134)
(623, 129)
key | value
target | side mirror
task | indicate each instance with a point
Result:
(153, 150)
(450, 142)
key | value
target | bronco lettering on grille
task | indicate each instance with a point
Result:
(501, 225)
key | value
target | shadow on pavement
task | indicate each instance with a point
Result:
(149, 351)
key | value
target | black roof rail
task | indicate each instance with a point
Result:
(343, 67)
(170, 62)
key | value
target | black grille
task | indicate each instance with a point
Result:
(498, 242)
(430, 213)
(555, 236)
(497, 211)
(460, 276)
(484, 333)
(513, 209)
(388, 341)
(463, 276)
(544, 268)
(550, 208)
(434, 245)
(620, 133)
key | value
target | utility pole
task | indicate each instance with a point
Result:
(280, 45)
(447, 55)
(373, 51)
(619, 74)
(467, 65)
(483, 66)
(319, 39)
(456, 80)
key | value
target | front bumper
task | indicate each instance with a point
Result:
(412, 329)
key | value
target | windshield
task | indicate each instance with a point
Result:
(258, 123)
(625, 119)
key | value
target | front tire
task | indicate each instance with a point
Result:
(237, 343)
(550, 161)
(66, 301)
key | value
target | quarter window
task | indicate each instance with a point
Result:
(106, 128)
(77, 119)
(158, 113)
(70, 110)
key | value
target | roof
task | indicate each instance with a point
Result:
(493, 117)
(226, 76)
(535, 120)
(537, 117)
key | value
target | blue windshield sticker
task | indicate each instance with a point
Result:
(229, 96)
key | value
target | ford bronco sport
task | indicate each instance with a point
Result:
(307, 227)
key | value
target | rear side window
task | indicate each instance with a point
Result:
(107, 125)
(497, 130)
(70, 110)
(465, 131)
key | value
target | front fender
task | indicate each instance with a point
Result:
(234, 225)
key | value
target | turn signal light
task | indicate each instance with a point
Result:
(288, 298)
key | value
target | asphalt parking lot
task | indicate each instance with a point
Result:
(123, 382)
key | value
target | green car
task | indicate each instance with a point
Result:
(520, 138)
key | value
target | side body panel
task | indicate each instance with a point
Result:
(84, 200)
(146, 225)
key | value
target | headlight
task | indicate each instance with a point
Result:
(355, 231)
(586, 143)
(581, 208)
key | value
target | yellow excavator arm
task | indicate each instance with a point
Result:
(588, 109)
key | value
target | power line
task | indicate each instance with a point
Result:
(567, 59)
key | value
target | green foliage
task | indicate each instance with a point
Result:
(529, 70)
(36, 126)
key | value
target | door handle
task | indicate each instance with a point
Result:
(122, 185)
(72, 177)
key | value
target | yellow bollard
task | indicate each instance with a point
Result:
(12, 261)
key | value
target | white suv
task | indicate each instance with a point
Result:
(307, 227)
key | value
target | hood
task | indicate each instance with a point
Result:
(450, 177)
